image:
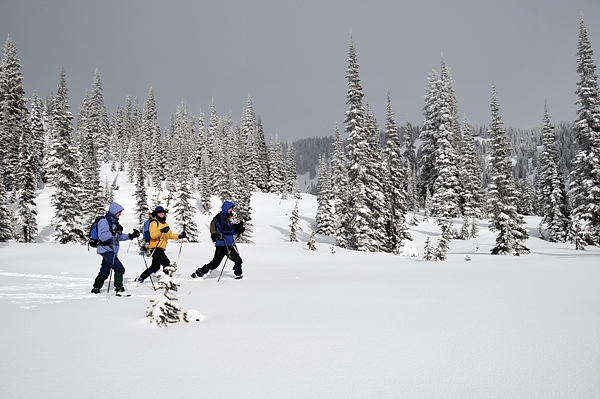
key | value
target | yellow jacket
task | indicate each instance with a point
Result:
(158, 239)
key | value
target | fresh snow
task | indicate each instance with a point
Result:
(330, 323)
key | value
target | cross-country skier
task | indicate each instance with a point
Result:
(110, 232)
(160, 233)
(224, 245)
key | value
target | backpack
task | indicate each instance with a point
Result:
(213, 229)
(146, 229)
(93, 239)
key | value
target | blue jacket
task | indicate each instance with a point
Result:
(223, 226)
(104, 233)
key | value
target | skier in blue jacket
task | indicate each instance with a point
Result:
(110, 232)
(225, 243)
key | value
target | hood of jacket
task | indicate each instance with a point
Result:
(226, 206)
(114, 208)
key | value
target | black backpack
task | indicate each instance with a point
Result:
(213, 229)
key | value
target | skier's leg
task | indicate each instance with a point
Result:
(119, 272)
(237, 261)
(104, 271)
(162, 259)
(155, 266)
(220, 253)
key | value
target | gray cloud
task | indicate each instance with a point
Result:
(291, 56)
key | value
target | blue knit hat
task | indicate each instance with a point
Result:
(159, 209)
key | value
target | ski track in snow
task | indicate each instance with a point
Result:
(35, 289)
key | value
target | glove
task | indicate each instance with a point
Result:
(165, 229)
(182, 235)
(134, 234)
(238, 227)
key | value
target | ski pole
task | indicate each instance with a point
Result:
(180, 245)
(111, 268)
(224, 263)
(228, 255)
(109, 278)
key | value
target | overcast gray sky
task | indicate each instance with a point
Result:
(291, 56)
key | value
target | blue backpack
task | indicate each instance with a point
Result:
(93, 239)
(146, 229)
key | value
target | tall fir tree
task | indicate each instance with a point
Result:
(324, 219)
(358, 217)
(92, 198)
(276, 166)
(28, 227)
(98, 125)
(14, 114)
(397, 231)
(6, 227)
(339, 189)
(584, 188)
(502, 194)
(552, 197)
(65, 163)
(471, 195)
(38, 133)
(409, 158)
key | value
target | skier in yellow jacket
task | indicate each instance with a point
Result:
(160, 233)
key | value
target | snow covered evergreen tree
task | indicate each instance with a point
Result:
(552, 197)
(98, 125)
(294, 224)
(324, 219)
(339, 189)
(153, 146)
(164, 308)
(38, 133)
(397, 231)
(428, 251)
(92, 200)
(184, 209)
(14, 115)
(375, 184)
(358, 215)
(240, 189)
(28, 226)
(502, 194)
(291, 175)
(471, 195)
(584, 189)
(428, 135)
(276, 166)
(65, 164)
(140, 194)
(410, 163)
(6, 227)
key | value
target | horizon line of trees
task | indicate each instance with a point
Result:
(218, 156)
(367, 182)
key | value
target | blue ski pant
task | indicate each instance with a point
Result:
(110, 261)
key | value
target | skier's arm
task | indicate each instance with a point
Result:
(104, 233)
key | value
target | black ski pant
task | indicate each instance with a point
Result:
(159, 258)
(220, 253)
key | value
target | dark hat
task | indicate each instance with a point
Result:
(159, 209)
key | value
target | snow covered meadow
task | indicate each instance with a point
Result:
(304, 324)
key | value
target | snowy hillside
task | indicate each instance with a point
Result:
(304, 324)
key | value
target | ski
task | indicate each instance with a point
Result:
(122, 294)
